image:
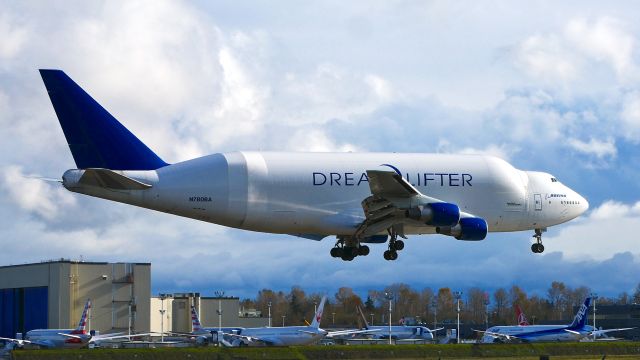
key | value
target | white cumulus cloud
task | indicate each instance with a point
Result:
(35, 195)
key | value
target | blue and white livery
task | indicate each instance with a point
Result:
(575, 331)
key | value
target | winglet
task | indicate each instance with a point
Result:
(96, 139)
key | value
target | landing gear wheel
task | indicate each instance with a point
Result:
(537, 247)
(386, 255)
(390, 255)
(336, 252)
(398, 245)
(363, 250)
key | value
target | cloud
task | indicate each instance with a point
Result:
(13, 35)
(605, 39)
(565, 58)
(34, 195)
(191, 79)
(594, 147)
(607, 231)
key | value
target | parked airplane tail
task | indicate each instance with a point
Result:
(96, 139)
(522, 319)
(195, 320)
(364, 318)
(82, 325)
(318, 317)
(580, 320)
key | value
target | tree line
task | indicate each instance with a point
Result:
(426, 306)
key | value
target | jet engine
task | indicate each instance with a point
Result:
(471, 229)
(436, 214)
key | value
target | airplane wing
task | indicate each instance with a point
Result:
(391, 198)
(113, 336)
(498, 335)
(602, 332)
(19, 342)
(331, 334)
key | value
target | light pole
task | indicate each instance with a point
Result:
(333, 318)
(283, 317)
(162, 311)
(269, 304)
(389, 296)
(371, 319)
(219, 294)
(434, 305)
(594, 296)
(486, 311)
(458, 295)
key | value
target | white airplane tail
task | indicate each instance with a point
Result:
(364, 318)
(316, 320)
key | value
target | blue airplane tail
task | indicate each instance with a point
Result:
(96, 139)
(580, 320)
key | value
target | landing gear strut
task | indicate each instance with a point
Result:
(395, 245)
(537, 247)
(348, 247)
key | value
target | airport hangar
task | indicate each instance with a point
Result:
(52, 294)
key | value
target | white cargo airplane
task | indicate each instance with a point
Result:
(65, 338)
(575, 331)
(358, 197)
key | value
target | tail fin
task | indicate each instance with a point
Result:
(580, 320)
(318, 317)
(82, 325)
(96, 139)
(364, 318)
(195, 320)
(522, 319)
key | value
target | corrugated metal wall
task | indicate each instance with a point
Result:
(23, 309)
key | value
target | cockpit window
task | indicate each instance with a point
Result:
(554, 180)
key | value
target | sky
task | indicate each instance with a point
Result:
(548, 86)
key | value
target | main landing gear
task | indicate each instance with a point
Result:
(537, 247)
(348, 248)
(395, 245)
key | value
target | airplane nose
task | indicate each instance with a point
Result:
(584, 204)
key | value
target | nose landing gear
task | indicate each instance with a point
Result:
(537, 247)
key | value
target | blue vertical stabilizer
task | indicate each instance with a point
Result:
(96, 139)
(580, 320)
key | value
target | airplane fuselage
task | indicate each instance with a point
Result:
(538, 333)
(52, 338)
(402, 332)
(320, 194)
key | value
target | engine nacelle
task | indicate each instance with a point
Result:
(471, 229)
(436, 214)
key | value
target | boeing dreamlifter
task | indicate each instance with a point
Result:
(360, 198)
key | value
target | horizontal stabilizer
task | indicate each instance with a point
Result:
(111, 180)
